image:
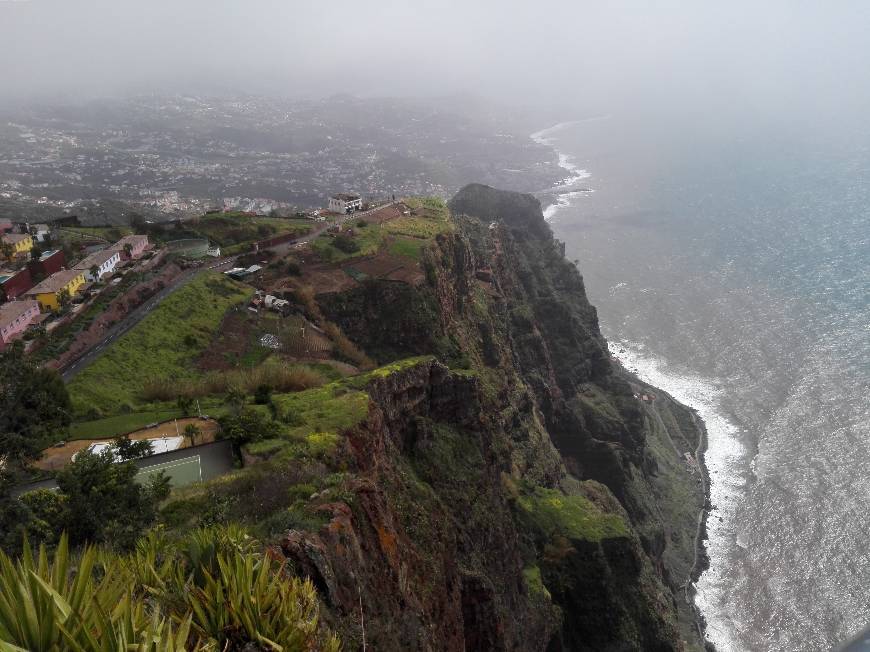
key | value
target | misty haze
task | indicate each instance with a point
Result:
(434, 326)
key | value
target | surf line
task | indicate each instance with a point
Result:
(564, 191)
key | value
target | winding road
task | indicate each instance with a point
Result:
(71, 370)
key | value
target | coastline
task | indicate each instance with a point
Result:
(564, 191)
(702, 405)
(721, 450)
(639, 374)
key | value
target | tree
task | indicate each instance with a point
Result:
(63, 297)
(246, 426)
(185, 404)
(130, 449)
(94, 271)
(104, 502)
(35, 252)
(191, 432)
(236, 399)
(128, 250)
(345, 243)
(263, 394)
(34, 408)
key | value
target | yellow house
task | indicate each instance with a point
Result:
(49, 291)
(21, 243)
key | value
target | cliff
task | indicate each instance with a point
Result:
(508, 489)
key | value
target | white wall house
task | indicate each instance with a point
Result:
(344, 203)
(105, 261)
(40, 232)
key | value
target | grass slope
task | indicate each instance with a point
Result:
(161, 346)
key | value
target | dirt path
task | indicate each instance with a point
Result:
(57, 457)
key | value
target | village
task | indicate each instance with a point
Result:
(43, 286)
(70, 293)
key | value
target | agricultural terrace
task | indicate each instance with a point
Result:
(237, 230)
(110, 233)
(162, 346)
(377, 236)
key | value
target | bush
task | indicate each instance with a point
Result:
(293, 268)
(263, 394)
(345, 243)
(362, 223)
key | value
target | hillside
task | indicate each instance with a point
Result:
(495, 484)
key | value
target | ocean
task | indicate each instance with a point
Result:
(733, 271)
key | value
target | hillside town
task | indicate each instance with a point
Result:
(281, 156)
(50, 273)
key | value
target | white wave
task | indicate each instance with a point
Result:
(564, 190)
(725, 458)
(562, 201)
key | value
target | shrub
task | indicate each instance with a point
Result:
(345, 243)
(362, 223)
(262, 394)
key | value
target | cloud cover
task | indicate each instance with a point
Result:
(766, 58)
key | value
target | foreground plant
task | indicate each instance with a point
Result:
(211, 591)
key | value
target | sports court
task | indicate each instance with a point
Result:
(180, 472)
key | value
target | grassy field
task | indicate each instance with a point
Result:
(111, 233)
(409, 247)
(161, 346)
(418, 226)
(230, 229)
(432, 217)
(121, 424)
(312, 420)
(370, 239)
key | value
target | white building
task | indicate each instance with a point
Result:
(40, 232)
(105, 261)
(344, 203)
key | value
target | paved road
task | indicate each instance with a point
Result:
(137, 315)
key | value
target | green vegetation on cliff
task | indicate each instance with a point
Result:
(576, 517)
(492, 485)
(162, 346)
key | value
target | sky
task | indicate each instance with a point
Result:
(752, 57)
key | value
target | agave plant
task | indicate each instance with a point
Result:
(48, 606)
(251, 599)
(211, 591)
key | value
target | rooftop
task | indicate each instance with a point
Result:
(6, 274)
(12, 310)
(13, 238)
(55, 282)
(97, 259)
(343, 196)
(132, 239)
(48, 254)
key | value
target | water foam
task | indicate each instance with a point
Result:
(564, 190)
(724, 459)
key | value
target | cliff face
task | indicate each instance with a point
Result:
(510, 492)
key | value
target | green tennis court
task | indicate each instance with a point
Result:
(179, 472)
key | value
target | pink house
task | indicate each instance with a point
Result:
(15, 316)
(138, 244)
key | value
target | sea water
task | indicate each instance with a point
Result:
(735, 274)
